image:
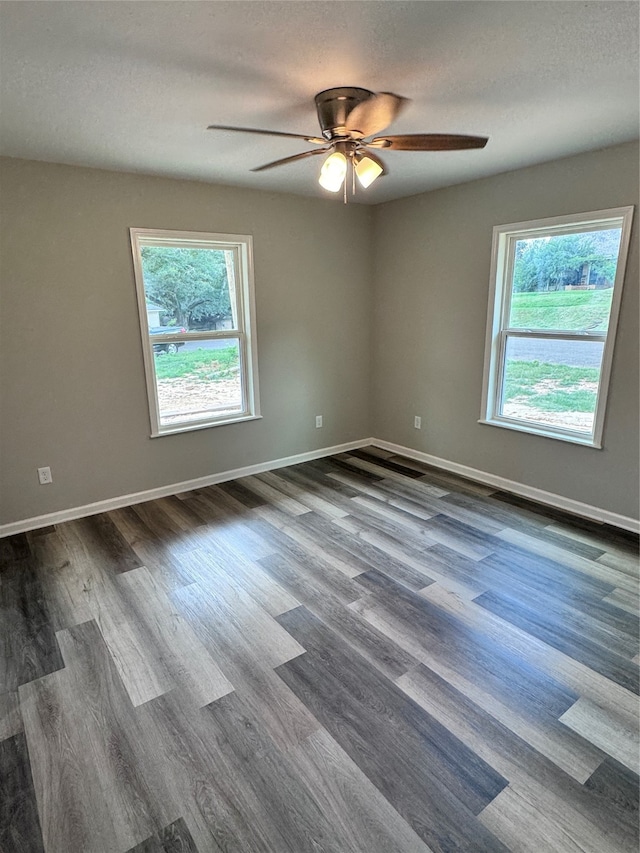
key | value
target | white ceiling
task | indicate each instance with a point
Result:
(132, 85)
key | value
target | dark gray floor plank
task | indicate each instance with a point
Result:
(561, 635)
(28, 645)
(506, 674)
(605, 805)
(424, 774)
(372, 644)
(389, 463)
(174, 838)
(359, 552)
(19, 821)
(107, 544)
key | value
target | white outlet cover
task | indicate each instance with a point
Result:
(44, 476)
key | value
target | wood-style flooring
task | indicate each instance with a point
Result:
(359, 654)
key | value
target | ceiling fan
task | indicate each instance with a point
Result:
(348, 117)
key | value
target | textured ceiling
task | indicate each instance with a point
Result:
(133, 85)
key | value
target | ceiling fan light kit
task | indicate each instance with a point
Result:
(348, 115)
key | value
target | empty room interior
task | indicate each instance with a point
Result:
(319, 426)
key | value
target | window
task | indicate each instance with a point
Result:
(196, 306)
(555, 292)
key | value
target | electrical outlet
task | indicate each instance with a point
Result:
(318, 421)
(44, 476)
(417, 422)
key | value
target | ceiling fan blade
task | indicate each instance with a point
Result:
(376, 113)
(292, 159)
(315, 139)
(428, 142)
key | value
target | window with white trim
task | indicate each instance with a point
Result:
(555, 293)
(197, 320)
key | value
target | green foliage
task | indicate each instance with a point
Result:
(568, 310)
(551, 387)
(202, 365)
(188, 283)
(550, 263)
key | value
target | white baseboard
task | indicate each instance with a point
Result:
(549, 498)
(539, 495)
(172, 489)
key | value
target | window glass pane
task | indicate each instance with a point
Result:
(201, 380)
(564, 281)
(551, 382)
(192, 289)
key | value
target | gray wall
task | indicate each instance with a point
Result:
(430, 305)
(367, 316)
(73, 392)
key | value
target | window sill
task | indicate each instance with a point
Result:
(584, 441)
(192, 427)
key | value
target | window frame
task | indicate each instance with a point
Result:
(245, 333)
(498, 332)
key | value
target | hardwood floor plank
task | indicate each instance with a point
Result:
(273, 496)
(614, 732)
(223, 559)
(391, 463)
(10, 717)
(19, 821)
(624, 564)
(319, 483)
(592, 815)
(595, 569)
(28, 645)
(286, 803)
(577, 677)
(502, 671)
(446, 480)
(423, 776)
(206, 783)
(188, 665)
(373, 549)
(80, 719)
(618, 786)
(240, 493)
(154, 553)
(518, 697)
(307, 542)
(174, 838)
(423, 566)
(106, 544)
(543, 573)
(625, 600)
(370, 643)
(258, 634)
(559, 634)
(362, 556)
(518, 821)
(362, 815)
(334, 576)
(414, 490)
(300, 495)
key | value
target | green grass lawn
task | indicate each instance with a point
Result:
(569, 310)
(551, 387)
(202, 365)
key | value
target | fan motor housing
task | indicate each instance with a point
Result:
(334, 105)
